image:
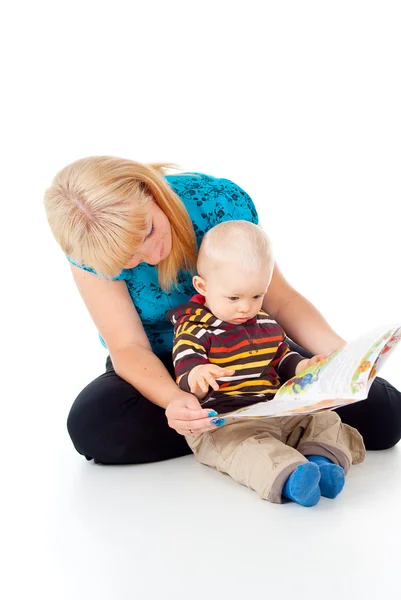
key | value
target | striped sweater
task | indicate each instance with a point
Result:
(257, 350)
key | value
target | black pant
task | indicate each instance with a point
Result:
(114, 424)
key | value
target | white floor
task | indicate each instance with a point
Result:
(179, 530)
(76, 531)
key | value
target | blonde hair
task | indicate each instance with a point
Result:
(235, 243)
(98, 211)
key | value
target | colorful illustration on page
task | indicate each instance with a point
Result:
(367, 369)
(299, 384)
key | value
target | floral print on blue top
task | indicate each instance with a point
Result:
(209, 201)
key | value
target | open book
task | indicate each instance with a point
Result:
(342, 378)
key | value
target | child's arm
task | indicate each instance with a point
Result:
(288, 363)
(188, 352)
(308, 362)
(194, 372)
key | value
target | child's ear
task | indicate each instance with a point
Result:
(199, 284)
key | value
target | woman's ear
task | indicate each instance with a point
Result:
(199, 284)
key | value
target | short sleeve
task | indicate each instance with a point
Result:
(239, 205)
(211, 200)
(121, 276)
(83, 267)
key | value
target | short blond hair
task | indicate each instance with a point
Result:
(240, 244)
(98, 211)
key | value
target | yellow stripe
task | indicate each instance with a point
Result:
(187, 343)
(191, 328)
(198, 312)
(231, 358)
(181, 329)
(252, 393)
(261, 363)
(254, 383)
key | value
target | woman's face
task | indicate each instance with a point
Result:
(157, 244)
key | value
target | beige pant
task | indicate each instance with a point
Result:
(262, 453)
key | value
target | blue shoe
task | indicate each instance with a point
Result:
(332, 478)
(302, 486)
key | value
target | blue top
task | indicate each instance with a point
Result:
(209, 201)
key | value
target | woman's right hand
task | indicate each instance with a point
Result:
(187, 417)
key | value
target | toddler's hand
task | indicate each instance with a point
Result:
(308, 362)
(203, 376)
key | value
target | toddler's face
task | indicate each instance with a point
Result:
(235, 296)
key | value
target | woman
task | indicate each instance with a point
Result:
(131, 234)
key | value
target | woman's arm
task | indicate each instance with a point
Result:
(301, 321)
(115, 317)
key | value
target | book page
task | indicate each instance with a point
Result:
(342, 378)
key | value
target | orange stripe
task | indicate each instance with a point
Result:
(245, 343)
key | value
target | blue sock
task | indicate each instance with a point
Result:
(302, 486)
(332, 478)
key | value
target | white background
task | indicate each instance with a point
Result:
(298, 103)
